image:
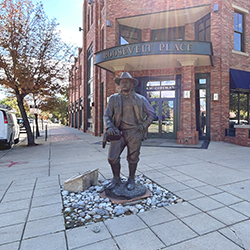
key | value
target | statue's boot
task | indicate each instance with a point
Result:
(116, 168)
(131, 180)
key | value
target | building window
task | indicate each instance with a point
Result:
(161, 89)
(88, 19)
(239, 107)
(80, 75)
(102, 38)
(90, 88)
(129, 35)
(203, 29)
(92, 14)
(174, 33)
(238, 31)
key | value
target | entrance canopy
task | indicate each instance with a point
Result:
(239, 79)
(155, 55)
(170, 18)
(172, 53)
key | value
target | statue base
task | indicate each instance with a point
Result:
(120, 192)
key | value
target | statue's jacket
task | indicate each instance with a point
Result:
(143, 111)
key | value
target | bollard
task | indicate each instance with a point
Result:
(34, 132)
(46, 133)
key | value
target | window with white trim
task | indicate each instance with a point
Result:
(239, 31)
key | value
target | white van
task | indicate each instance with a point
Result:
(9, 128)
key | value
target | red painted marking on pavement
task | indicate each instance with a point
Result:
(11, 163)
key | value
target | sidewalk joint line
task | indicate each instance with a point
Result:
(26, 221)
(6, 191)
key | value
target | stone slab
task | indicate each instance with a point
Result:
(173, 232)
(11, 233)
(156, 216)
(227, 215)
(12, 246)
(212, 241)
(203, 223)
(82, 236)
(143, 239)
(81, 182)
(44, 226)
(105, 244)
(238, 233)
(55, 241)
(129, 224)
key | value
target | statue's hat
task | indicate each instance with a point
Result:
(126, 75)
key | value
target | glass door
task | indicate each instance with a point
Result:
(167, 119)
(203, 106)
(163, 125)
(162, 95)
(153, 130)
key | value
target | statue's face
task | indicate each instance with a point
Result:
(126, 85)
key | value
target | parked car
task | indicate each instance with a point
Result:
(21, 125)
(9, 128)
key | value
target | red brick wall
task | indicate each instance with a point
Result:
(241, 137)
(222, 38)
(187, 133)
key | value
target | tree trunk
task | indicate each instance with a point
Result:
(26, 123)
(37, 127)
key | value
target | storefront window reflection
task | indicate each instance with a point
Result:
(168, 94)
(239, 108)
(202, 99)
(202, 96)
(202, 81)
(155, 83)
(166, 83)
(153, 94)
(161, 95)
(129, 35)
(168, 34)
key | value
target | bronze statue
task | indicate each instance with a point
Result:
(127, 117)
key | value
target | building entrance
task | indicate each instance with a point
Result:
(202, 98)
(163, 125)
(162, 97)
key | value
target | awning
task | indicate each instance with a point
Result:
(239, 79)
(170, 18)
(155, 55)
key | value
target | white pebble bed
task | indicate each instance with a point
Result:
(85, 208)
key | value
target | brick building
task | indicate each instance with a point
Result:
(191, 59)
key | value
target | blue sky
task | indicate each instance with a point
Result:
(69, 15)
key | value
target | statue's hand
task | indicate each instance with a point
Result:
(117, 131)
(110, 131)
(113, 131)
(140, 127)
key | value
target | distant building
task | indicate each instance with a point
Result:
(191, 59)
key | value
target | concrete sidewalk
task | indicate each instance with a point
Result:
(214, 182)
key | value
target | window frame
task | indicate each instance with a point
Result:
(165, 34)
(90, 87)
(205, 28)
(239, 106)
(88, 16)
(134, 30)
(242, 33)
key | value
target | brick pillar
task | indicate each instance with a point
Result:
(187, 133)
